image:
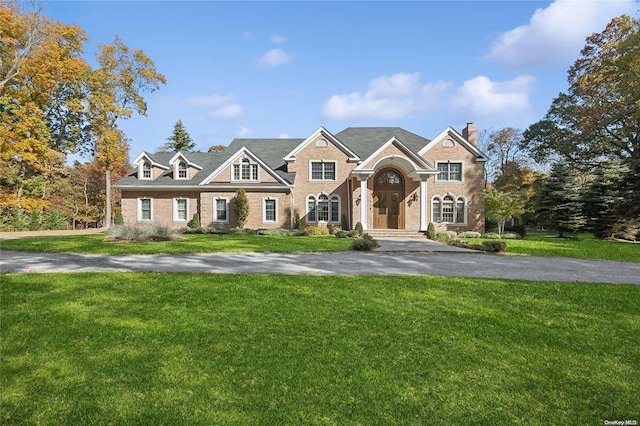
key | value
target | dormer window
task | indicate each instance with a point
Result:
(245, 170)
(182, 170)
(146, 170)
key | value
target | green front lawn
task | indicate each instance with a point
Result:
(582, 246)
(95, 244)
(123, 348)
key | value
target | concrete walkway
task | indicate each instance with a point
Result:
(335, 263)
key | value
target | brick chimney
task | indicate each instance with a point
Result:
(470, 133)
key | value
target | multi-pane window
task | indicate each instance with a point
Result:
(335, 209)
(245, 170)
(460, 210)
(323, 208)
(269, 210)
(146, 170)
(145, 209)
(221, 213)
(181, 209)
(447, 209)
(182, 170)
(450, 171)
(321, 170)
(435, 210)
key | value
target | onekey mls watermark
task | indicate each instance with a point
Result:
(621, 422)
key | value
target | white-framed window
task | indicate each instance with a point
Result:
(146, 170)
(221, 210)
(449, 172)
(335, 208)
(245, 170)
(145, 209)
(435, 210)
(460, 210)
(180, 209)
(182, 170)
(323, 208)
(447, 209)
(322, 170)
(269, 210)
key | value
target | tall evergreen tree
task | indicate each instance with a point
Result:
(180, 140)
(604, 202)
(560, 205)
(241, 207)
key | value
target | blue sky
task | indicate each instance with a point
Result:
(283, 69)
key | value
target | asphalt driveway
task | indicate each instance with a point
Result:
(452, 264)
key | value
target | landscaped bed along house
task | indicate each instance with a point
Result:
(382, 177)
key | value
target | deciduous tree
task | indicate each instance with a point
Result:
(502, 205)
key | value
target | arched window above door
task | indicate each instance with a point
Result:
(388, 178)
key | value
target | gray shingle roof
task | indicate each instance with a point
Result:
(363, 141)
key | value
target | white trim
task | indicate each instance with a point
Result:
(417, 160)
(141, 170)
(290, 157)
(175, 209)
(449, 180)
(264, 210)
(316, 198)
(177, 170)
(245, 151)
(179, 154)
(424, 212)
(144, 154)
(464, 211)
(215, 209)
(450, 132)
(364, 209)
(433, 198)
(241, 164)
(139, 208)
(335, 171)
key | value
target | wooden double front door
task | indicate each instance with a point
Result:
(388, 196)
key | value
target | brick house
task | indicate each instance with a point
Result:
(382, 177)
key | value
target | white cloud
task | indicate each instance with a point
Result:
(557, 33)
(482, 97)
(402, 95)
(278, 39)
(244, 132)
(221, 107)
(283, 136)
(274, 58)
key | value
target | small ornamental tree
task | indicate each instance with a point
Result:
(559, 205)
(241, 207)
(502, 205)
(431, 231)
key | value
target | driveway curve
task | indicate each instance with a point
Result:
(453, 264)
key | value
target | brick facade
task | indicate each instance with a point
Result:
(291, 185)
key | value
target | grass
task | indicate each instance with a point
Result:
(124, 348)
(581, 246)
(95, 244)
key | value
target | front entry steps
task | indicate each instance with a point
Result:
(395, 233)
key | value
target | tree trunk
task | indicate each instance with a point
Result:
(107, 218)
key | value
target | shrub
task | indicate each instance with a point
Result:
(118, 220)
(342, 234)
(35, 220)
(241, 207)
(469, 234)
(195, 222)
(447, 234)
(344, 223)
(154, 232)
(364, 245)
(491, 236)
(490, 224)
(518, 229)
(332, 229)
(296, 222)
(511, 236)
(359, 230)
(494, 246)
(316, 230)
(431, 231)
(56, 219)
